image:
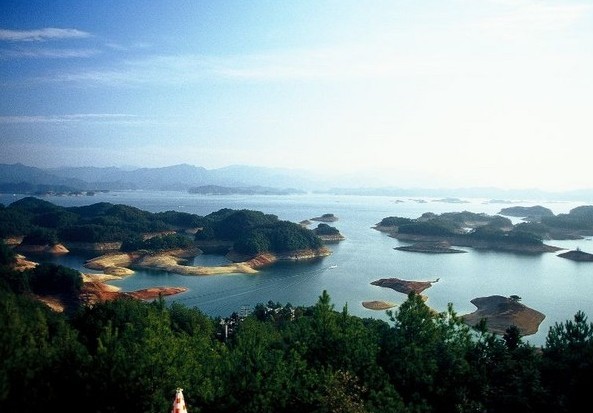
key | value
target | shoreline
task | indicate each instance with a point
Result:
(172, 261)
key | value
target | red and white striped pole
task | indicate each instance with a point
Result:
(179, 403)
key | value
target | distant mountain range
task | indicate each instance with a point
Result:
(19, 178)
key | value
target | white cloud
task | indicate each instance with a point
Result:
(335, 64)
(48, 53)
(80, 117)
(38, 35)
(522, 16)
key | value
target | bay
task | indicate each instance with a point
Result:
(545, 282)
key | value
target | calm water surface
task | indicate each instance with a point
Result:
(550, 284)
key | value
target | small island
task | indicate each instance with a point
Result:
(328, 234)
(326, 218)
(533, 212)
(242, 190)
(501, 313)
(404, 286)
(577, 255)
(438, 247)
(378, 305)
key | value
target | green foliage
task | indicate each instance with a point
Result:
(47, 278)
(432, 227)
(488, 233)
(93, 233)
(14, 222)
(205, 233)
(256, 242)
(394, 221)
(325, 229)
(486, 228)
(179, 219)
(158, 243)
(567, 370)
(32, 205)
(532, 227)
(520, 236)
(43, 364)
(253, 232)
(579, 218)
(516, 236)
(13, 280)
(41, 236)
(7, 255)
(55, 219)
(238, 224)
(130, 355)
(287, 236)
(100, 222)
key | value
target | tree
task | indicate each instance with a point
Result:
(567, 370)
(48, 278)
(7, 255)
(425, 355)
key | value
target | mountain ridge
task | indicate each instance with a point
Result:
(181, 177)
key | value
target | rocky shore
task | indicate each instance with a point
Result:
(42, 249)
(174, 261)
(95, 289)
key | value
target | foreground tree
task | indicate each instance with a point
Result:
(568, 364)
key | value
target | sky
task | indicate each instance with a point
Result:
(431, 93)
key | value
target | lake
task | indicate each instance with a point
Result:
(545, 282)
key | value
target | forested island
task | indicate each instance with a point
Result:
(483, 231)
(131, 237)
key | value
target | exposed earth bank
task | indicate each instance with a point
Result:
(502, 312)
(174, 261)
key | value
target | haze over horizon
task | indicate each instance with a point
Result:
(447, 93)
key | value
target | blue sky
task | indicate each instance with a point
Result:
(409, 93)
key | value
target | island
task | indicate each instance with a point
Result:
(468, 229)
(328, 234)
(404, 286)
(438, 247)
(532, 213)
(500, 313)
(451, 200)
(242, 190)
(128, 237)
(378, 305)
(577, 255)
(326, 218)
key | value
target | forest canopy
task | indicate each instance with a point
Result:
(249, 232)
